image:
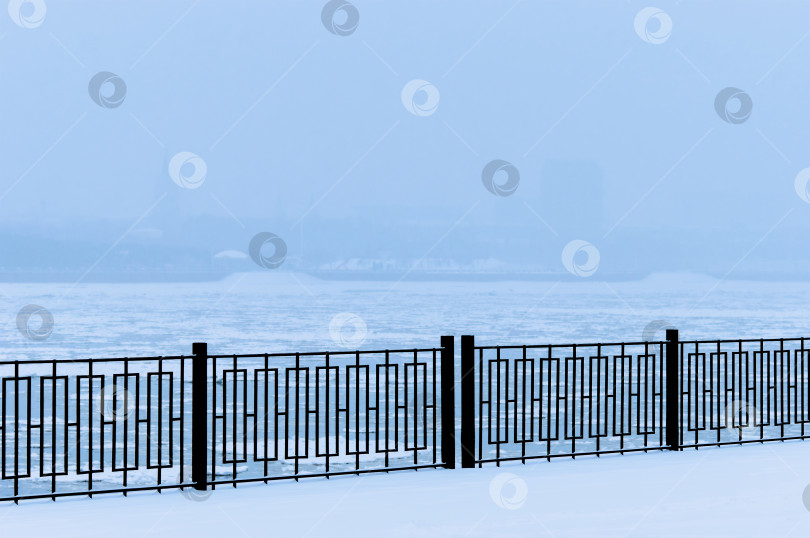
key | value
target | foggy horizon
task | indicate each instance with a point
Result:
(308, 135)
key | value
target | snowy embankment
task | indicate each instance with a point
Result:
(754, 490)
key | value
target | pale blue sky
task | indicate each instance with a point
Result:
(296, 124)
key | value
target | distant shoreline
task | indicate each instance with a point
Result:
(135, 277)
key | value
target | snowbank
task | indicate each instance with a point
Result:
(741, 491)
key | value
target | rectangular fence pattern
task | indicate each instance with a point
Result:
(566, 400)
(91, 426)
(547, 401)
(74, 427)
(737, 391)
(116, 425)
(322, 414)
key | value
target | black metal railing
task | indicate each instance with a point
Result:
(295, 415)
(548, 401)
(545, 401)
(71, 427)
(92, 426)
(741, 391)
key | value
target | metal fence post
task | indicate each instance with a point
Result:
(199, 416)
(467, 401)
(448, 402)
(673, 416)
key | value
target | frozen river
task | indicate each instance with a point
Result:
(269, 312)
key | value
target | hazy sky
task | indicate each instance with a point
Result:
(295, 122)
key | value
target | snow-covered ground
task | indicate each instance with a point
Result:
(754, 490)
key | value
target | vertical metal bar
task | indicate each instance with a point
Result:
(433, 400)
(795, 387)
(357, 410)
(396, 403)
(326, 413)
(598, 395)
(425, 405)
(17, 430)
(42, 430)
(672, 392)
(781, 375)
(648, 392)
(764, 392)
(53, 428)
(531, 406)
(114, 421)
(581, 375)
(101, 425)
(310, 412)
(160, 420)
(214, 418)
(498, 404)
(368, 407)
(405, 406)
(28, 427)
(690, 388)
(523, 414)
(266, 405)
(199, 416)
(126, 419)
(90, 420)
(415, 404)
(297, 409)
(573, 399)
(468, 401)
(704, 382)
(149, 420)
(615, 394)
(182, 411)
(715, 384)
(639, 389)
(544, 382)
(276, 411)
(738, 393)
(234, 418)
(481, 401)
(448, 403)
(661, 418)
(556, 405)
(798, 388)
(624, 398)
(4, 428)
(387, 405)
